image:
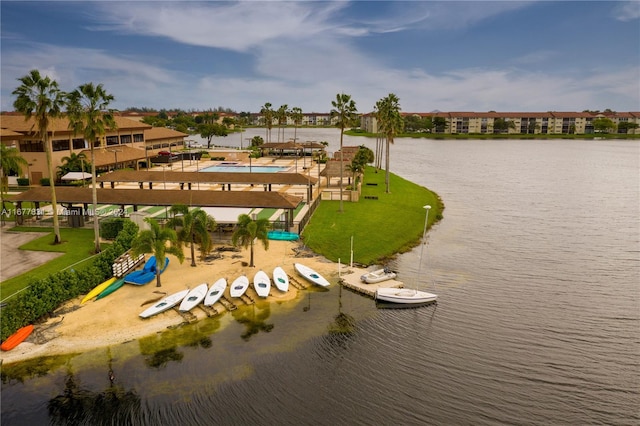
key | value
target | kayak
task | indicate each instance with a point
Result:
(280, 279)
(215, 292)
(98, 289)
(166, 303)
(113, 287)
(16, 338)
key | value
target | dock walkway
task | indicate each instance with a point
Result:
(351, 280)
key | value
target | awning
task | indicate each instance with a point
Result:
(76, 176)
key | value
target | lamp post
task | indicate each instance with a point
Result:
(424, 233)
(115, 153)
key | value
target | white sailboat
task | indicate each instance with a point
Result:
(405, 295)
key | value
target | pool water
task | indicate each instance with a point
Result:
(235, 168)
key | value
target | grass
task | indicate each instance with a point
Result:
(392, 223)
(77, 246)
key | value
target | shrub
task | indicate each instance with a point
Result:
(23, 181)
(45, 182)
(110, 228)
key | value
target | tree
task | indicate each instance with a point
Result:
(604, 125)
(194, 228)
(344, 109)
(281, 115)
(39, 97)
(296, 116)
(209, 130)
(89, 116)
(74, 163)
(10, 161)
(267, 116)
(154, 241)
(256, 141)
(501, 125)
(439, 124)
(391, 124)
(248, 230)
(625, 126)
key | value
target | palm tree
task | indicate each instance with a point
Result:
(41, 99)
(248, 230)
(74, 163)
(88, 116)
(296, 116)
(281, 115)
(267, 116)
(391, 123)
(10, 160)
(344, 108)
(194, 228)
(154, 241)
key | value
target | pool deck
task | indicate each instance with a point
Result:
(351, 279)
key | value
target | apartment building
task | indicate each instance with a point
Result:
(551, 122)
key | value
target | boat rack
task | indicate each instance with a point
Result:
(126, 263)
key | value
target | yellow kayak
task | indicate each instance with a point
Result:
(98, 289)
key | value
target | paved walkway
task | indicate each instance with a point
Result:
(14, 261)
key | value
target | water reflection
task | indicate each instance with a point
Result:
(77, 405)
(254, 319)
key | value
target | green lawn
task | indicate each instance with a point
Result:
(77, 245)
(392, 223)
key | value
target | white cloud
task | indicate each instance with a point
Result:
(627, 11)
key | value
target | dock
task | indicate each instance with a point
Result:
(351, 279)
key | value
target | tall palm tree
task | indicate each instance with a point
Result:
(281, 114)
(248, 230)
(89, 116)
(391, 124)
(267, 116)
(40, 97)
(194, 228)
(154, 241)
(344, 109)
(10, 160)
(74, 163)
(296, 116)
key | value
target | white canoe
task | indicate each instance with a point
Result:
(311, 275)
(166, 303)
(194, 297)
(378, 276)
(262, 283)
(280, 279)
(215, 292)
(239, 286)
(404, 295)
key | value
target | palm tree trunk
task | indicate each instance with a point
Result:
(251, 257)
(158, 277)
(386, 162)
(54, 200)
(341, 166)
(193, 251)
(94, 200)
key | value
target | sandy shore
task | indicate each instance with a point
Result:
(114, 319)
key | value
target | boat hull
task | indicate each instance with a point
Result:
(378, 276)
(116, 285)
(311, 275)
(280, 279)
(282, 236)
(166, 303)
(404, 296)
(98, 289)
(193, 298)
(215, 292)
(239, 286)
(16, 338)
(262, 283)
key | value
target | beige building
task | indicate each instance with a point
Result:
(551, 122)
(132, 143)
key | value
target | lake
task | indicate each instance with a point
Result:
(537, 268)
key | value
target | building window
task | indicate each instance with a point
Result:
(112, 140)
(78, 144)
(125, 139)
(31, 146)
(60, 145)
(138, 137)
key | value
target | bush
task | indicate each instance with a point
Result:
(45, 182)
(23, 181)
(43, 296)
(110, 228)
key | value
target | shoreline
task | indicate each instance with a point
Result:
(115, 318)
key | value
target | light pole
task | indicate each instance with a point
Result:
(424, 233)
(115, 153)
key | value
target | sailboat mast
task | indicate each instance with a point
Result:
(422, 242)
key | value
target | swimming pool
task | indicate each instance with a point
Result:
(237, 168)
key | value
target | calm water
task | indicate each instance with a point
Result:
(537, 268)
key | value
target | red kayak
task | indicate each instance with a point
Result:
(16, 338)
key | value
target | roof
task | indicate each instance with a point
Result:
(155, 133)
(107, 155)
(206, 177)
(18, 123)
(161, 197)
(76, 176)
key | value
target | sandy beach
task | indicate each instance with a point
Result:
(115, 318)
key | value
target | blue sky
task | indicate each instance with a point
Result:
(449, 56)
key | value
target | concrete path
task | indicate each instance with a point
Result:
(14, 261)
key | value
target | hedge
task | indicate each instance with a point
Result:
(110, 228)
(44, 296)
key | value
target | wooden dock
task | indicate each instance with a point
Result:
(351, 279)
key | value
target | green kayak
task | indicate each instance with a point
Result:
(113, 287)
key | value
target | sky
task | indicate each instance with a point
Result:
(434, 55)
